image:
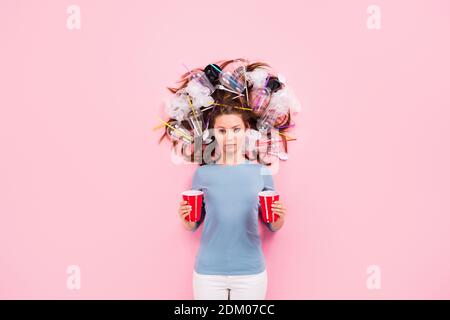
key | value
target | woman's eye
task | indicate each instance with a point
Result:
(237, 129)
(222, 131)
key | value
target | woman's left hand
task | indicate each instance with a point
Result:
(277, 208)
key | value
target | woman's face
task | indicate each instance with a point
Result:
(229, 130)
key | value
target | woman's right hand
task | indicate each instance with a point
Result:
(183, 211)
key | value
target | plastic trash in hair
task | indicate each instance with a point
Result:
(272, 115)
(232, 77)
(195, 120)
(177, 132)
(260, 96)
(276, 148)
(212, 72)
(178, 106)
(259, 99)
(201, 78)
(283, 100)
(267, 120)
(281, 120)
(231, 82)
(239, 74)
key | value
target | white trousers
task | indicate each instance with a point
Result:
(233, 287)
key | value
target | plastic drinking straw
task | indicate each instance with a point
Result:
(269, 141)
(191, 105)
(287, 126)
(245, 80)
(225, 105)
(283, 134)
(229, 90)
(195, 114)
(189, 70)
(220, 71)
(158, 126)
(181, 132)
(209, 116)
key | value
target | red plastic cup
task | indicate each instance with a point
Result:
(266, 198)
(195, 200)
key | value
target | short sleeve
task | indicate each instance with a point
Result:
(197, 181)
(268, 185)
(197, 184)
(268, 182)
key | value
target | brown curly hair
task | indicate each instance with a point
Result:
(225, 104)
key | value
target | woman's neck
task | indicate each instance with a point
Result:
(231, 159)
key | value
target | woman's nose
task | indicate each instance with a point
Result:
(230, 136)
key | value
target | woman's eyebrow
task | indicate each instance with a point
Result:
(232, 126)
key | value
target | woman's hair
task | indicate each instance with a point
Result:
(226, 105)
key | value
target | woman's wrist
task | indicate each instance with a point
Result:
(275, 226)
(190, 225)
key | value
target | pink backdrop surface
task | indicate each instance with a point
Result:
(84, 181)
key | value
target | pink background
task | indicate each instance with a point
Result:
(84, 182)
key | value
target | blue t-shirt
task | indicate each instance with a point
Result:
(230, 242)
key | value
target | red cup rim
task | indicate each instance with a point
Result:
(192, 192)
(268, 193)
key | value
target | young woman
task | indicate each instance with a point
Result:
(230, 263)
